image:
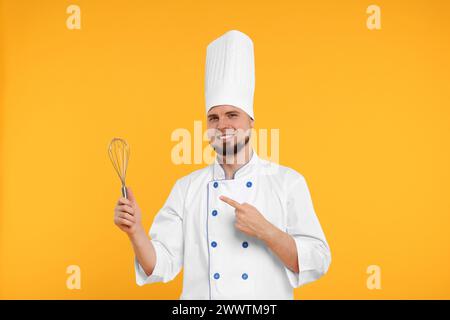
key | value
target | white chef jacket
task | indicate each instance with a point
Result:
(195, 230)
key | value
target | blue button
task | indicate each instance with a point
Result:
(244, 276)
(249, 184)
(213, 244)
(214, 213)
(245, 244)
(215, 184)
(216, 276)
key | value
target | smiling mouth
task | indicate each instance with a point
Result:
(225, 137)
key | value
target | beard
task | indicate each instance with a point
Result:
(227, 149)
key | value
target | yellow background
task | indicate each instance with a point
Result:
(363, 115)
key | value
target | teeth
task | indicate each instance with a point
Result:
(226, 136)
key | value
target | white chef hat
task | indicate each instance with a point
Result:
(230, 72)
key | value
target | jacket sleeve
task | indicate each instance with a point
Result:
(314, 256)
(166, 234)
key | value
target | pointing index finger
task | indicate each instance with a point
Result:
(231, 202)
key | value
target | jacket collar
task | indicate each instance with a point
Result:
(246, 170)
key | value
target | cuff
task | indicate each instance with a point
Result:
(313, 260)
(156, 276)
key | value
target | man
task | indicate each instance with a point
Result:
(243, 227)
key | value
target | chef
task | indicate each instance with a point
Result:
(242, 227)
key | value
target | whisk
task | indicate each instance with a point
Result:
(119, 153)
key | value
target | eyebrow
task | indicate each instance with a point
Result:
(226, 113)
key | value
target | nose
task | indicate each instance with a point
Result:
(223, 124)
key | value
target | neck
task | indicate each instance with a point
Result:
(232, 163)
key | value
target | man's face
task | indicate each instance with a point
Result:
(229, 129)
